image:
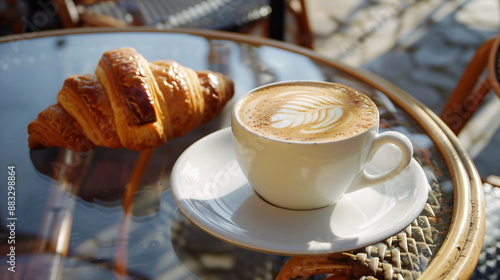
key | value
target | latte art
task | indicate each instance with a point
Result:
(313, 114)
(307, 113)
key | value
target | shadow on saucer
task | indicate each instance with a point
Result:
(302, 230)
(243, 218)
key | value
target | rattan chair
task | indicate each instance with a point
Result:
(472, 89)
(269, 17)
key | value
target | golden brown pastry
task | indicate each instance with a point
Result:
(129, 103)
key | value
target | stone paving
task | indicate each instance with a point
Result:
(423, 46)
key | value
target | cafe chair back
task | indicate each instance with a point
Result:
(480, 78)
(276, 19)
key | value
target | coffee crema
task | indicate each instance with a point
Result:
(307, 113)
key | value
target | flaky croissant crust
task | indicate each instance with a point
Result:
(129, 103)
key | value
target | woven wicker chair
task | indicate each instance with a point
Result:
(473, 88)
(268, 17)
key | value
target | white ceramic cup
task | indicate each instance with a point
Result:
(310, 175)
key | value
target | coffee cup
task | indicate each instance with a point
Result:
(303, 144)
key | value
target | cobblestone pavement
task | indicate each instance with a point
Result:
(423, 46)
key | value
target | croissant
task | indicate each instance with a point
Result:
(129, 103)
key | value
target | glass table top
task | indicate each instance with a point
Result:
(82, 215)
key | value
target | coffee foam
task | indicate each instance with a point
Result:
(307, 113)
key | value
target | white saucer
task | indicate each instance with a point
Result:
(210, 189)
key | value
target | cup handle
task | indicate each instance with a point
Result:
(404, 144)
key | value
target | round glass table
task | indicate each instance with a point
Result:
(110, 212)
